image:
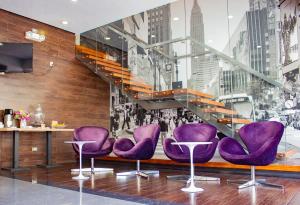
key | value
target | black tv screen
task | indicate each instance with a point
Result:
(16, 57)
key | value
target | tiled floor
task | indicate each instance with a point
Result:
(17, 192)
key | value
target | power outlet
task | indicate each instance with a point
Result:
(34, 149)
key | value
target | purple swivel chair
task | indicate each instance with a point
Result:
(146, 138)
(261, 140)
(199, 132)
(102, 147)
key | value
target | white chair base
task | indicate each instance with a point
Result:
(196, 178)
(254, 182)
(259, 182)
(138, 172)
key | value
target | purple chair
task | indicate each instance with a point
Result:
(261, 140)
(200, 132)
(102, 147)
(146, 138)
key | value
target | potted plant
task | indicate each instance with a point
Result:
(22, 116)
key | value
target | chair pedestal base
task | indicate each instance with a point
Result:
(261, 182)
(138, 172)
(254, 182)
(196, 178)
(142, 173)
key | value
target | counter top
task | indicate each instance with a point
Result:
(36, 129)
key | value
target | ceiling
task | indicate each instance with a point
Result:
(82, 15)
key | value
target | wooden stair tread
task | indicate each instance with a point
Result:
(286, 154)
(220, 110)
(113, 70)
(120, 76)
(86, 50)
(127, 77)
(192, 92)
(138, 89)
(136, 83)
(111, 66)
(234, 121)
(207, 101)
(92, 57)
(165, 93)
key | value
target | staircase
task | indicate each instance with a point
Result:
(208, 106)
(204, 105)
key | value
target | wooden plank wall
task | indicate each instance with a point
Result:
(69, 93)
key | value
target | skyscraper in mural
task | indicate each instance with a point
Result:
(197, 30)
(159, 30)
(254, 45)
(159, 26)
(203, 67)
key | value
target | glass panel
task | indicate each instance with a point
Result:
(261, 40)
(192, 61)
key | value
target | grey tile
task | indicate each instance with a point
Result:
(17, 192)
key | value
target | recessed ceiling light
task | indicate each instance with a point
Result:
(64, 22)
(230, 17)
(196, 57)
(259, 46)
(176, 19)
(74, 0)
(107, 38)
(210, 41)
(152, 36)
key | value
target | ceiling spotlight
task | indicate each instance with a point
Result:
(259, 46)
(196, 57)
(176, 19)
(210, 41)
(152, 36)
(107, 38)
(230, 17)
(74, 0)
(64, 22)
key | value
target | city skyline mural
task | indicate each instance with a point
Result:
(245, 55)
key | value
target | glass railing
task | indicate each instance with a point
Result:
(185, 62)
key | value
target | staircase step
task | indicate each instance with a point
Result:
(192, 92)
(219, 110)
(171, 93)
(207, 101)
(166, 93)
(233, 121)
(120, 76)
(135, 83)
(138, 89)
(127, 77)
(92, 57)
(113, 70)
(143, 96)
(112, 66)
(86, 50)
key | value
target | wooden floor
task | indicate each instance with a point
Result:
(163, 190)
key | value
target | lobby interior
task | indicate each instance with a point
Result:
(178, 102)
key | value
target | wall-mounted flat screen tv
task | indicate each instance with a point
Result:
(16, 57)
